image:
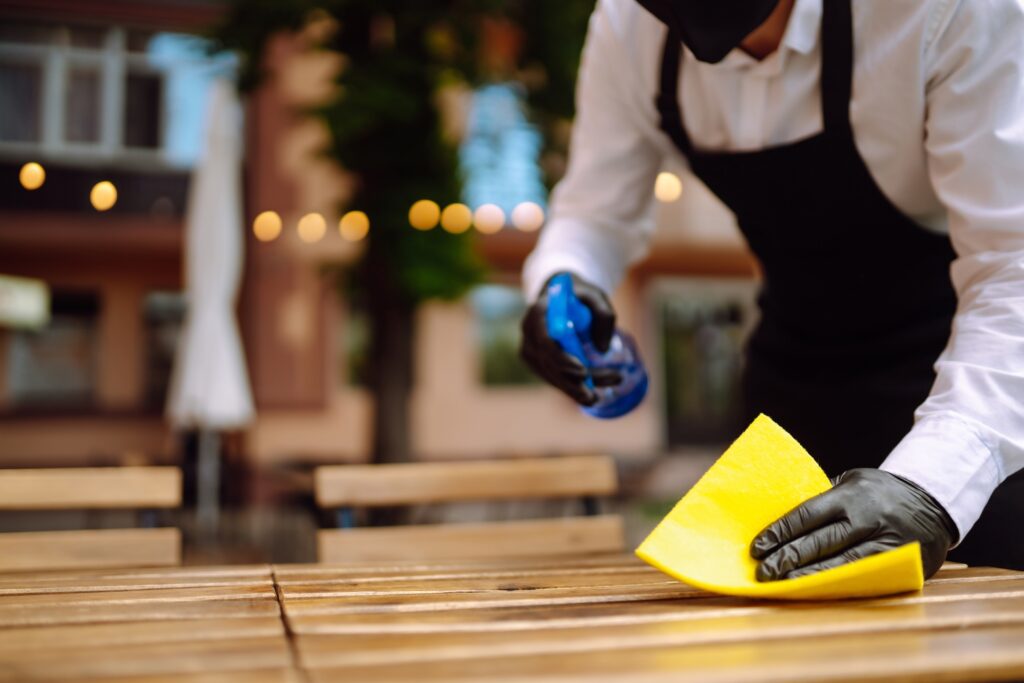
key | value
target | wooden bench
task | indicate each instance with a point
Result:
(144, 488)
(346, 487)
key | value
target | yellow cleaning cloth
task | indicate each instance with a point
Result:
(705, 540)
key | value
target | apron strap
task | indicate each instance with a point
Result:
(837, 66)
(667, 100)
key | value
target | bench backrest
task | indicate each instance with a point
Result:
(354, 486)
(143, 488)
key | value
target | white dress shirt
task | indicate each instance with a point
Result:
(938, 116)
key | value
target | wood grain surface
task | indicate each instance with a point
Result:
(607, 618)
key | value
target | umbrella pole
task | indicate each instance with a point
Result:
(208, 494)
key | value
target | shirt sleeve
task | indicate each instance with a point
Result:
(601, 216)
(969, 434)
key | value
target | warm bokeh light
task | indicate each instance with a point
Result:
(267, 226)
(668, 187)
(528, 216)
(354, 226)
(312, 228)
(32, 176)
(424, 214)
(489, 218)
(103, 195)
(456, 218)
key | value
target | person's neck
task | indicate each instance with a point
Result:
(767, 37)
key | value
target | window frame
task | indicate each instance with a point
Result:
(115, 62)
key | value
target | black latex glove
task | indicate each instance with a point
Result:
(867, 512)
(546, 358)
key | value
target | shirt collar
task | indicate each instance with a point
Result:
(804, 28)
(802, 35)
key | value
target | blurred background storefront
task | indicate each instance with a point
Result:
(118, 92)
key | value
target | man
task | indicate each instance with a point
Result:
(873, 153)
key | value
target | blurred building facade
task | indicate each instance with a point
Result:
(93, 101)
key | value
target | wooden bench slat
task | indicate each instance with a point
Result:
(531, 537)
(24, 551)
(90, 488)
(421, 483)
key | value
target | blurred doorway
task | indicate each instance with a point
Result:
(702, 327)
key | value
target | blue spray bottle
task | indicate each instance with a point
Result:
(568, 323)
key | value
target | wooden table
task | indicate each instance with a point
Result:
(608, 618)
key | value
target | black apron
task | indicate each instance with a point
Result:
(856, 302)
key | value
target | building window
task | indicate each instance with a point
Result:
(500, 155)
(21, 82)
(498, 311)
(111, 94)
(55, 367)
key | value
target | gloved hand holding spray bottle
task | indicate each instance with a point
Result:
(568, 322)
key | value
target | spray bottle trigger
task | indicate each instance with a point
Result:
(568, 320)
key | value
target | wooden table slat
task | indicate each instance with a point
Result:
(87, 576)
(135, 633)
(282, 675)
(284, 573)
(512, 617)
(733, 626)
(195, 656)
(983, 654)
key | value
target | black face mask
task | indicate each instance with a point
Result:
(711, 28)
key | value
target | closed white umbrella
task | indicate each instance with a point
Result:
(210, 387)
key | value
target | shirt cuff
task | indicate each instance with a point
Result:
(575, 247)
(951, 459)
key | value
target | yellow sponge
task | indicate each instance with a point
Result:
(705, 540)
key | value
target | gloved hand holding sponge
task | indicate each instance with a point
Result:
(867, 512)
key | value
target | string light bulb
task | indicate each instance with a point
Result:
(668, 187)
(424, 214)
(103, 195)
(354, 226)
(489, 218)
(456, 218)
(312, 228)
(32, 176)
(267, 226)
(528, 216)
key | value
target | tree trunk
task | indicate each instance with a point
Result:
(392, 323)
